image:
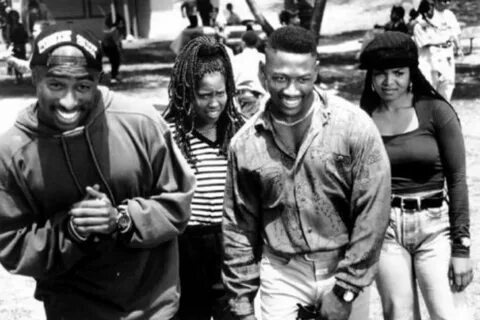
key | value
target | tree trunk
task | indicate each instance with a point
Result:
(315, 25)
(266, 26)
(318, 10)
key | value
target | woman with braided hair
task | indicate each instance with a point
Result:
(203, 119)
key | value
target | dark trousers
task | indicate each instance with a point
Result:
(20, 52)
(193, 21)
(202, 294)
(113, 54)
(205, 16)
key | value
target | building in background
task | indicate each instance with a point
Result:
(144, 18)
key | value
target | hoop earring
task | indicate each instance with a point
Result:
(373, 88)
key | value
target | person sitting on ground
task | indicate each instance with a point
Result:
(289, 18)
(232, 16)
(203, 119)
(396, 22)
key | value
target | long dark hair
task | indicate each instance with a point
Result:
(202, 55)
(370, 100)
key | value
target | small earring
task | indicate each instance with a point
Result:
(373, 88)
(410, 87)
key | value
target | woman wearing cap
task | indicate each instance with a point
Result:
(427, 241)
(203, 119)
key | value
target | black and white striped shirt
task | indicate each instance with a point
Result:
(210, 171)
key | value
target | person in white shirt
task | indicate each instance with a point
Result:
(246, 64)
(436, 35)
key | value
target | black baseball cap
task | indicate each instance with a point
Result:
(57, 36)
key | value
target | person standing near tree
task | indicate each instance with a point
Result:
(93, 191)
(307, 195)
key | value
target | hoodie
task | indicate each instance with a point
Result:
(128, 150)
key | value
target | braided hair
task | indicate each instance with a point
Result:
(201, 56)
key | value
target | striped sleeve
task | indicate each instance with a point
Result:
(210, 171)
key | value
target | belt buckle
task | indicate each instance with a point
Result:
(418, 199)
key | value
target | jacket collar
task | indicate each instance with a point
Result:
(321, 114)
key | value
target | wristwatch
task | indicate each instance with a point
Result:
(463, 241)
(124, 221)
(346, 295)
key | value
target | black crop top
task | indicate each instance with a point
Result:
(421, 160)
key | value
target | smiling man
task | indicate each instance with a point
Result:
(93, 192)
(307, 196)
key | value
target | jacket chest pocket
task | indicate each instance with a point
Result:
(272, 184)
(335, 167)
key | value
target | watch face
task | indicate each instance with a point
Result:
(465, 242)
(348, 296)
(122, 221)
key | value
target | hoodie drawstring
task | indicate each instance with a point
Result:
(97, 166)
(70, 166)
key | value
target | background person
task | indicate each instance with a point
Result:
(93, 191)
(250, 96)
(19, 64)
(113, 33)
(32, 11)
(397, 22)
(246, 64)
(428, 239)
(205, 9)
(203, 118)
(307, 195)
(289, 17)
(436, 35)
(189, 10)
(232, 17)
(18, 37)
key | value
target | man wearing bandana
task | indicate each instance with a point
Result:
(93, 191)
